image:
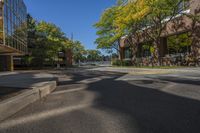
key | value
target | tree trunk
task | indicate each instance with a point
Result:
(120, 51)
(121, 55)
(134, 56)
(195, 50)
(195, 47)
(156, 55)
(134, 48)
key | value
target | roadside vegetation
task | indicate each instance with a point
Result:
(48, 46)
(145, 21)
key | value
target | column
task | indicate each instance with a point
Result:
(69, 57)
(2, 63)
(121, 53)
(6, 63)
(10, 64)
(163, 47)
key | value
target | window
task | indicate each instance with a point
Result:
(15, 24)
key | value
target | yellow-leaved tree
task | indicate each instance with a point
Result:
(129, 23)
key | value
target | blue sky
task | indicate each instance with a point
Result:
(72, 16)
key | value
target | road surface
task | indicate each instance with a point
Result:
(109, 102)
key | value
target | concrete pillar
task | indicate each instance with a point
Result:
(122, 53)
(6, 63)
(69, 57)
(1, 63)
(10, 63)
(163, 47)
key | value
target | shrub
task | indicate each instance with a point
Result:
(122, 63)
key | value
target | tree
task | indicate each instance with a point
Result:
(129, 23)
(194, 33)
(31, 38)
(161, 12)
(94, 55)
(31, 29)
(108, 38)
(45, 40)
(79, 52)
(179, 43)
(49, 42)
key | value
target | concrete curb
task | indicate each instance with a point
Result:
(132, 70)
(12, 105)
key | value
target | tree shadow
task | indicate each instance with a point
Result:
(179, 80)
(153, 110)
(24, 80)
(83, 74)
(149, 110)
(12, 84)
(8, 92)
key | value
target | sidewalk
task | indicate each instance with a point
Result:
(146, 71)
(19, 89)
(25, 79)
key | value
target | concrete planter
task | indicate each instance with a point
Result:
(12, 105)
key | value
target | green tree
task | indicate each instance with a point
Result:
(108, 37)
(45, 41)
(161, 12)
(49, 39)
(31, 38)
(94, 55)
(194, 33)
(179, 43)
(129, 23)
(79, 52)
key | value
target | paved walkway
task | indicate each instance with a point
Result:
(103, 102)
(24, 79)
(14, 83)
(146, 71)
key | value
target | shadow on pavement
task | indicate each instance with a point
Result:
(14, 83)
(181, 80)
(153, 110)
(6, 92)
(24, 80)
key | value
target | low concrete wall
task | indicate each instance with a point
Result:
(12, 105)
(47, 88)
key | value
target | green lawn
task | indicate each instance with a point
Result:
(155, 67)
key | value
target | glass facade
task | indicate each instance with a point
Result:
(128, 53)
(184, 5)
(1, 22)
(14, 25)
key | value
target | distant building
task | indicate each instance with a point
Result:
(13, 32)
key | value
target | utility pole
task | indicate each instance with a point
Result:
(72, 36)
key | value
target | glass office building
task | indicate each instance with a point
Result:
(14, 25)
(13, 29)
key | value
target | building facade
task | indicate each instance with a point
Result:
(172, 29)
(13, 32)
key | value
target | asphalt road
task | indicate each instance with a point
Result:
(109, 102)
